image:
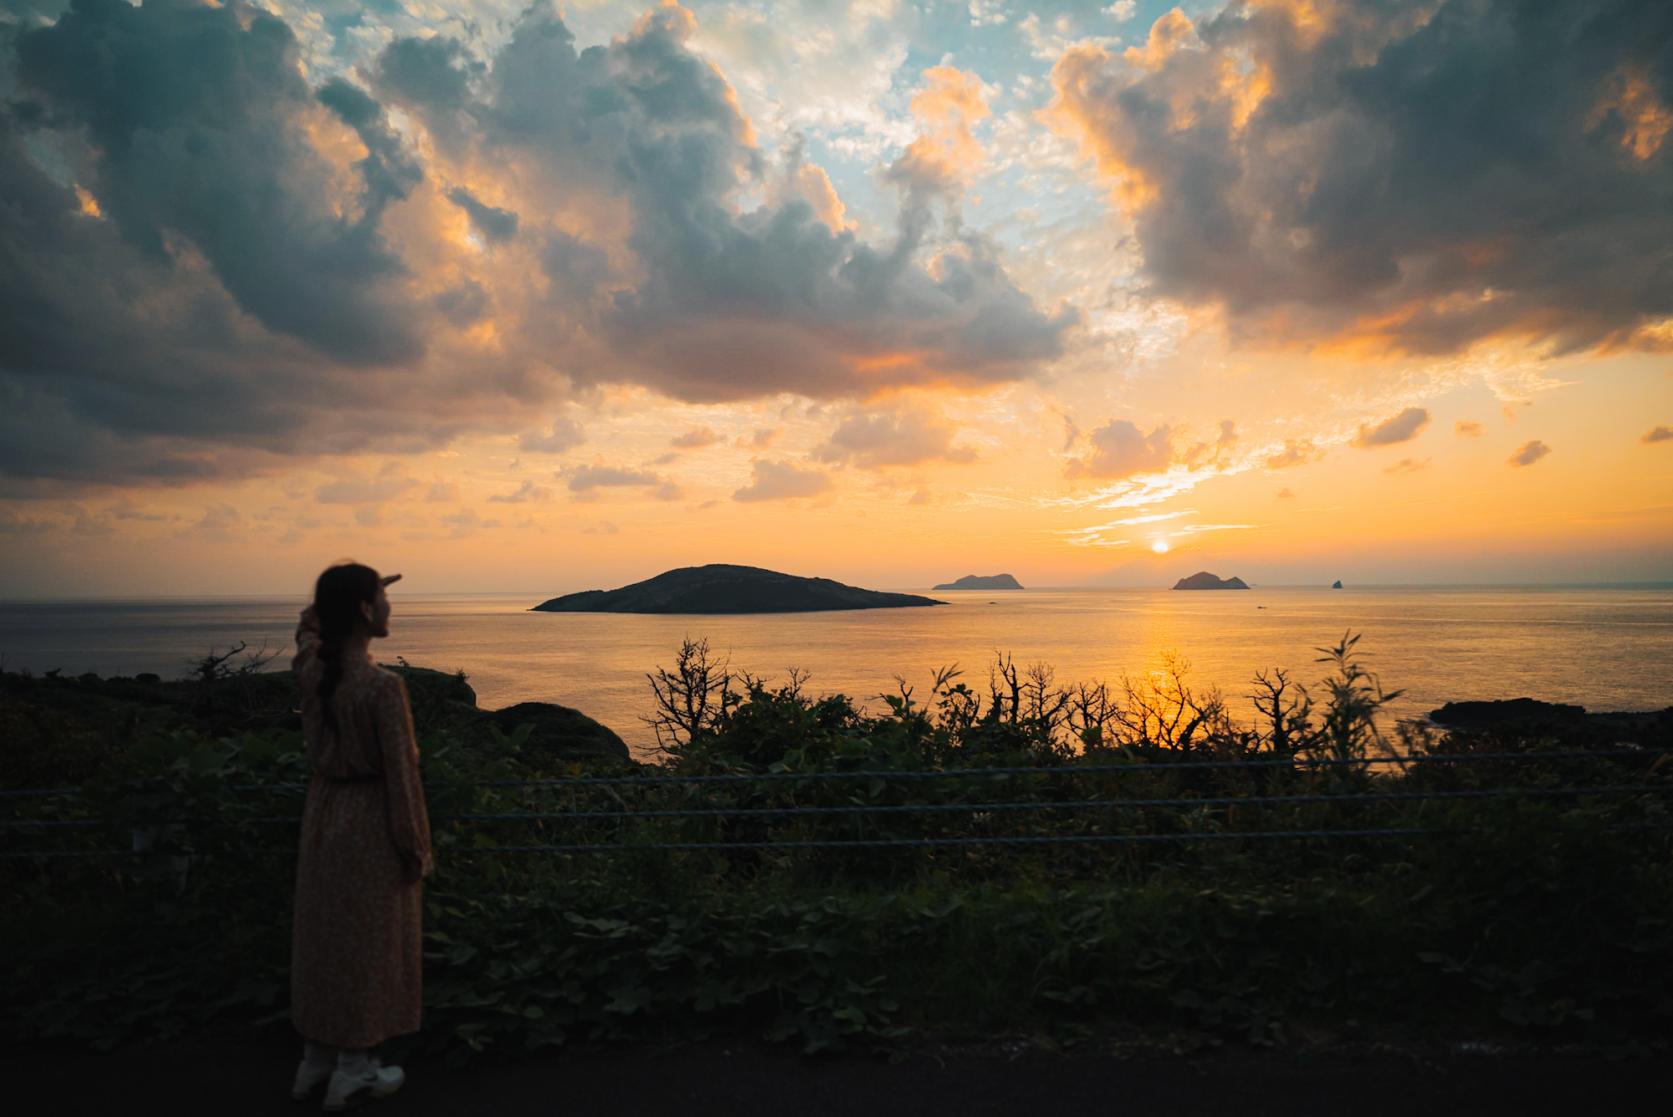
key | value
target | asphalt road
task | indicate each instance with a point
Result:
(221, 1076)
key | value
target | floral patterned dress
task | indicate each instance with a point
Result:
(356, 963)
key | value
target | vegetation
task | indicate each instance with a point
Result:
(1544, 915)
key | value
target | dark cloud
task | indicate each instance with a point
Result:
(1402, 428)
(781, 481)
(725, 295)
(1529, 453)
(1467, 428)
(497, 225)
(210, 263)
(1120, 449)
(1420, 175)
(1407, 465)
(1659, 434)
(198, 118)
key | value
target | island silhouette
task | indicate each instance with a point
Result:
(1203, 580)
(723, 588)
(982, 582)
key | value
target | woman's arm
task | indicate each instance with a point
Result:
(409, 817)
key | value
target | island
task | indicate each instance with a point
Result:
(1203, 580)
(982, 582)
(722, 588)
(1336, 585)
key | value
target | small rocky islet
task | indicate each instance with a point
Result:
(1203, 580)
(721, 588)
(982, 582)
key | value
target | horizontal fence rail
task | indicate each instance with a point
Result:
(168, 828)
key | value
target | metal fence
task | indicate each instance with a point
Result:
(1654, 778)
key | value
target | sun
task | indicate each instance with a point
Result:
(1160, 546)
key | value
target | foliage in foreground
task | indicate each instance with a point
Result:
(1535, 916)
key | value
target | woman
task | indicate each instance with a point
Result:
(365, 846)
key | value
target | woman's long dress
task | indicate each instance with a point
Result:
(356, 964)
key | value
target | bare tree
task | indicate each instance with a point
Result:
(1288, 716)
(694, 698)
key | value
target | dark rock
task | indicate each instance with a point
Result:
(1336, 585)
(1203, 580)
(722, 588)
(982, 582)
(1512, 711)
(561, 732)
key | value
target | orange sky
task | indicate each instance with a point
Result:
(1015, 308)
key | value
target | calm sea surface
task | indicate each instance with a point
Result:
(1604, 648)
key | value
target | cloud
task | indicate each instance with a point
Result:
(1467, 428)
(1407, 465)
(466, 522)
(442, 492)
(1402, 428)
(1122, 10)
(1296, 451)
(585, 477)
(1529, 453)
(527, 491)
(897, 436)
(781, 481)
(1659, 434)
(219, 257)
(363, 490)
(1285, 494)
(761, 438)
(1389, 174)
(695, 438)
(564, 435)
(496, 225)
(124, 509)
(1120, 449)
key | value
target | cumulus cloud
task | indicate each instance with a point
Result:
(695, 439)
(1402, 428)
(1407, 465)
(217, 258)
(1414, 177)
(1120, 449)
(781, 481)
(363, 490)
(524, 493)
(1529, 453)
(588, 481)
(897, 436)
(1659, 434)
(497, 225)
(564, 435)
(1296, 451)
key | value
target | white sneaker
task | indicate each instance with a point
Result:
(309, 1077)
(379, 1080)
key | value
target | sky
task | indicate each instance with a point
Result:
(538, 298)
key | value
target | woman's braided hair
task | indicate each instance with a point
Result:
(338, 595)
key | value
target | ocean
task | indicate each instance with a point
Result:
(1606, 648)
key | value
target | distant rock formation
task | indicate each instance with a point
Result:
(1203, 580)
(722, 588)
(1336, 585)
(982, 582)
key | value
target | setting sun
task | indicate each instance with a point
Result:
(1160, 546)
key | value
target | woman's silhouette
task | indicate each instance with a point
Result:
(365, 845)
